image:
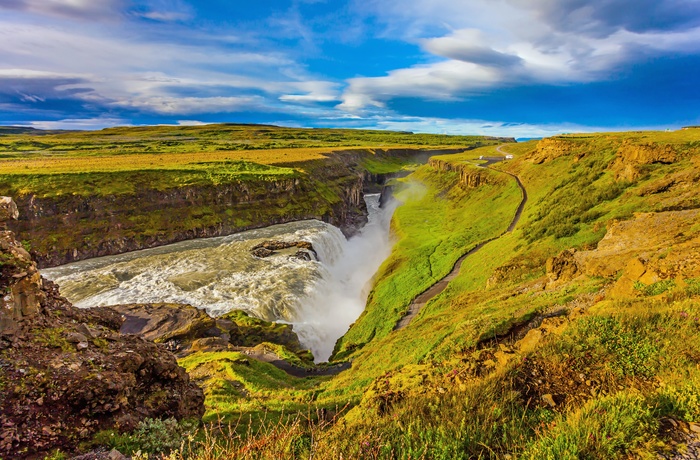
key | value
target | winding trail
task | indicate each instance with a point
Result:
(423, 298)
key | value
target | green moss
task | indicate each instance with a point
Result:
(237, 386)
(54, 337)
(655, 288)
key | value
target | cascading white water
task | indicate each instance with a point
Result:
(320, 298)
(340, 295)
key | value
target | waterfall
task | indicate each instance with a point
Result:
(320, 298)
(340, 296)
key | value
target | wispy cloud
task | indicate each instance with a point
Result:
(362, 63)
(483, 46)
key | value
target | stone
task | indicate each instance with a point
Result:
(528, 343)
(694, 427)
(8, 209)
(563, 267)
(268, 248)
(76, 337)
(549, 399)
(114, 454)
(209, 344)
(164, 322)
(261, 253)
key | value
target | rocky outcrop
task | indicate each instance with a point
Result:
(649, 249)
(469, 175)
(631, 158)
(67, 373)
(8, 210)
(563, 267)
(552, 148)
(646, 154)
(21, 290)
(269, 248)
(185, 329)
(165, 322)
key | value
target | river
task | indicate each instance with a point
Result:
(320, 298)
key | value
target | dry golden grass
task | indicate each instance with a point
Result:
(150, 161)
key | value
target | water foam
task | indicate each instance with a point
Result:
(320, 298)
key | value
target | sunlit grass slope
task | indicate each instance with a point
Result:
(518, 357)
(441, 218)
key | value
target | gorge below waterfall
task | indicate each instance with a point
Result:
(320, 298)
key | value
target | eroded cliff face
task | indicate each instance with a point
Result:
(648, 249)
(66, 228)
(469, 175)
(552, 148)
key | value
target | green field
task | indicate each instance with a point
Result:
(119, 160)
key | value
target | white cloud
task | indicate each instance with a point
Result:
(83, 124)
(490, 128)
(77, 9)
(102, 66)
(191, 105)
(485, 44)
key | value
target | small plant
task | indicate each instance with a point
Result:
(53, 337)
(693, 286)
(151, 436)
(631, 353)
(56, 455)
(655, 288)
(683, 400)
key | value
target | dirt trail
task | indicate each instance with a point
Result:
(437, 288)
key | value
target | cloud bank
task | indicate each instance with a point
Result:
(599, 63)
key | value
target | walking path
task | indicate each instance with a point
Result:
(437, 288)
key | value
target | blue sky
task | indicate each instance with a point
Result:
(524, 68)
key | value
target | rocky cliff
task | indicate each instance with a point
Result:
(469, 175)
(67, 373)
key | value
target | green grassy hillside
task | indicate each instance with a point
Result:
(577, 335)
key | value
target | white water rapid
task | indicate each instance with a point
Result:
(320, 298)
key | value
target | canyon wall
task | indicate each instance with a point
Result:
(69, 227)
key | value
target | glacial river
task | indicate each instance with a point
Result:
(320, 298)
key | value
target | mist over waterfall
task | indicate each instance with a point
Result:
(341, 294)
(321, 298)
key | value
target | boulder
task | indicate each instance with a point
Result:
(563, 267)
(163, 322)
(261, 253)
(269, 248)
(8, 209)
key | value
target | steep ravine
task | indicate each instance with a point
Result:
(68, 227)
